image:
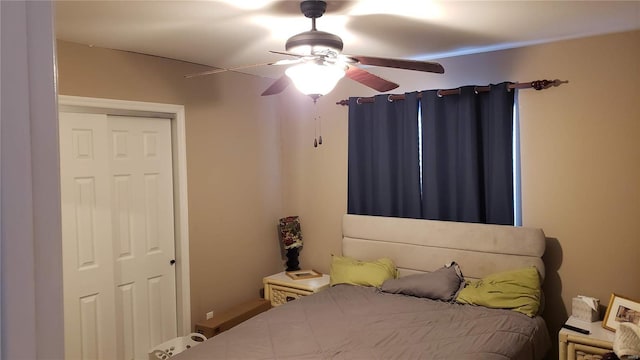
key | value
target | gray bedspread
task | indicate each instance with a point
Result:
(352, 322)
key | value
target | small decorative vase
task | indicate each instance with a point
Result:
(292, 259)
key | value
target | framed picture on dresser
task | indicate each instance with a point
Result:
(620, 310)
(303, 274)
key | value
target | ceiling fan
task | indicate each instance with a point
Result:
(319, 63)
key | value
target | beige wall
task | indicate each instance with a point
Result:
(233, 162)
(580, 160)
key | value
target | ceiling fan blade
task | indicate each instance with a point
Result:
(286, 53)
(219, 70)
(286, 62)
(277, 86)
(368, 79)
(208, 72)
(427, 66)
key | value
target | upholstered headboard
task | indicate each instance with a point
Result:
(426, 245)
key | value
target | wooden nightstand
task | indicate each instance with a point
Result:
(280, 288)
(577, 346)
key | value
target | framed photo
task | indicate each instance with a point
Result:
(621, 310)
(303, 274)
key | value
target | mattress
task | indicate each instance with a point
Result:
(353, 322)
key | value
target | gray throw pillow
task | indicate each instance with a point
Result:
(442, 284)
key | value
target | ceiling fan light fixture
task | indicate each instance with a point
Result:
(316, 79)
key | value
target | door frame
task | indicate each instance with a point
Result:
(68, 103)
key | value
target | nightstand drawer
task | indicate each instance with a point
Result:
(280, 288)
(281, 294)
(585, 352)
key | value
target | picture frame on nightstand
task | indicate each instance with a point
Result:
(620, 310)
(303, 274)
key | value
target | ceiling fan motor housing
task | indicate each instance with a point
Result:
(314, 42)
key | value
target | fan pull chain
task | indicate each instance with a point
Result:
(315, 125)
(315, 131)
(320, 125)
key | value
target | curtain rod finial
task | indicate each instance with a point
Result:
(558, 82)
(545, 84)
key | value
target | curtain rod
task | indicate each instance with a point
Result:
(536, 84)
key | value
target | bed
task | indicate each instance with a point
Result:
(361, 322)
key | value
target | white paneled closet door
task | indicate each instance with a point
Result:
(118, 235)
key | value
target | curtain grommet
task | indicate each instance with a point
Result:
(475, 90)
(358, 101)
(389, 98)
(439, 93)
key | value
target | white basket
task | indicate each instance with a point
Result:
(174, 346)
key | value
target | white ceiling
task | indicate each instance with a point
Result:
(228, 34)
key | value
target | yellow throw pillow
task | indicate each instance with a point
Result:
(518, 290)
(346, 270)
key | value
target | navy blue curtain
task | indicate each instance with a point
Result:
(467, 160)
(383, 169)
